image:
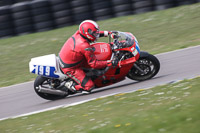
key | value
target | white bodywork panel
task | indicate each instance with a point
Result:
(47, 66)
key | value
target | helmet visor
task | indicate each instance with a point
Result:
(94, 33)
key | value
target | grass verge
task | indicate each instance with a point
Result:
(172, 108)
(156, 32)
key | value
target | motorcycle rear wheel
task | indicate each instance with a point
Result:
(149, 64)
(43, 82)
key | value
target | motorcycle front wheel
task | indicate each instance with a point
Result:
(44, 82)
(149, 67)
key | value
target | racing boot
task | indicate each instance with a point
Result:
(87, 91)
(71, 86)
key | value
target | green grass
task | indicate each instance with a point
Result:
(156, 32)
(171, 108)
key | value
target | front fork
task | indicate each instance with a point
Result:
(137, 67)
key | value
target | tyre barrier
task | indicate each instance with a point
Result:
(26, 16)
(22, 19)
(122, 7)
(62, 13)
(185, 2)
(142, 6)
(6, 22)
(81, 10)
(164, 4)
(42, 15)
(102, 9)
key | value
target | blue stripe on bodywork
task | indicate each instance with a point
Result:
(137, 47)
(44, 72)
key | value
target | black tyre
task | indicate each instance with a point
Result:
(101, 5)
(122, 8)
(42, 18)
(102, 12)
(40, 3)
(18, 7)
(163, 7)
(149, 64)
(22, 22)
(43, 82)
(4, 10)
(6, 25)
(62, 13)
(81, 9)
(23, 29)
(185, 2)
(55, 2)
(143, 10)
(22, 14)
(125, 13)
(78, 3)
(5, 18)
(39, 11)
(44, 25)
(120, 2)
(82, 16)
(103, 17)
(64, 21)
(60, 7)
(161, 2)
(143, 3)
(6, 33)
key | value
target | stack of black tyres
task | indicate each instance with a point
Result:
(22, 18)
(6, 22)
(185, 2)
(42, 15)
(10, 2)
(164, 4)
(7, 2)
(122, 7)
(81, 10)
(101, 9)
(62, 12)
(17, 1)
(142, 6)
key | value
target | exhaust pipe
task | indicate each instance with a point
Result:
(50, 91)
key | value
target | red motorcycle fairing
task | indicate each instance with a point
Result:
(102, 51)
(113, 75)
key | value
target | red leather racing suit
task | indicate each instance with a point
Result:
(75, 50)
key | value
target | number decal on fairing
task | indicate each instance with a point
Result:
(40, 70)
(45, 71)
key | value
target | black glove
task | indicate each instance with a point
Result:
(113, 34)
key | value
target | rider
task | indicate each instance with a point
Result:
(77, 48)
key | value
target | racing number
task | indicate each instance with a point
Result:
(47, 72)
(40, 70)
(43, 70)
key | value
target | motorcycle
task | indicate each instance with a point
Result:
(133, 64)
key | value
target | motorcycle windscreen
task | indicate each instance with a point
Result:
(102, 51)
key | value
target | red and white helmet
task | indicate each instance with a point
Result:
(89, 29)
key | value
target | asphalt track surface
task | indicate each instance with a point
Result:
(21, 99)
